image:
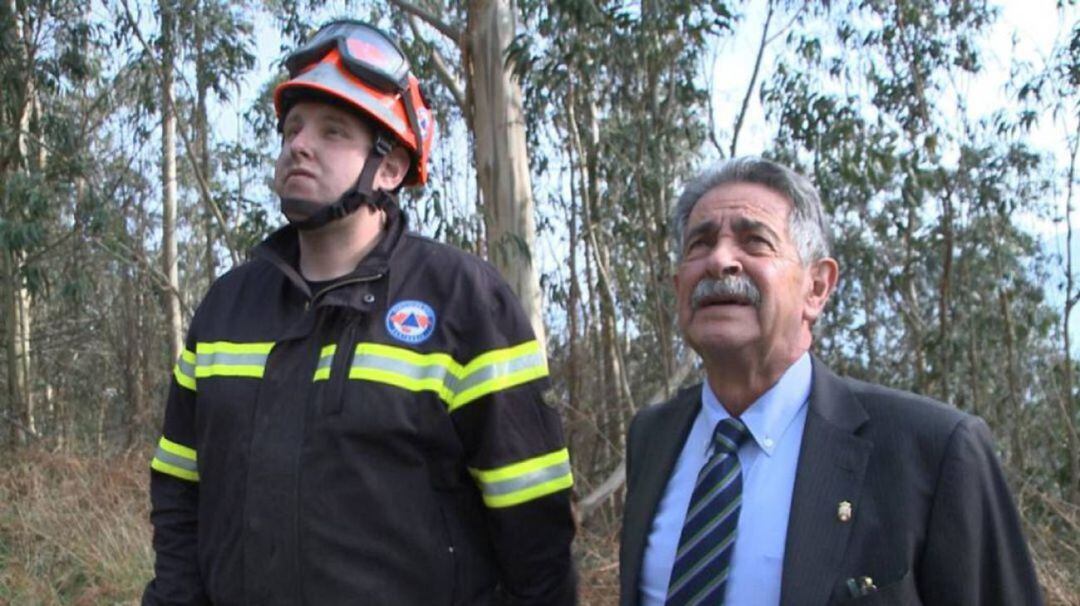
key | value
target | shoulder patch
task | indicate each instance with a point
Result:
(410, 321)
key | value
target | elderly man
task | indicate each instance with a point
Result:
(778, 482)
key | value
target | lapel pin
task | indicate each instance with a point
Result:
(843, 512)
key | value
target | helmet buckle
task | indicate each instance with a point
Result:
(382, 146)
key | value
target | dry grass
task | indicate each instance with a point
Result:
(75, 531)
(1053, 531)
(597, 555)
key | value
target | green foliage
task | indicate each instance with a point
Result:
(941, 289)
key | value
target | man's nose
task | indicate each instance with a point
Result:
(724, 259)
(300, 143)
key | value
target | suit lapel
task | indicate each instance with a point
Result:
(831, 465)
(656, 460)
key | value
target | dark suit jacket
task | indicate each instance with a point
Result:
(933, 521)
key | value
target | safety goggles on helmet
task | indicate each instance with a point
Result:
(365, 52)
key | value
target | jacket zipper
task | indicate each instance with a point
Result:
(336, 285)
(339, 368)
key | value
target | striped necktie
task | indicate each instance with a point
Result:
(703, 560)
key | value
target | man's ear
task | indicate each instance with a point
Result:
(824, 274)
(393, 169)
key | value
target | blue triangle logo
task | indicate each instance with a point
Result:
(411, 321)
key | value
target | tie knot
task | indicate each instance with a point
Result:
(729, 434)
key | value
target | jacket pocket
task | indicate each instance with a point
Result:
(898, 593)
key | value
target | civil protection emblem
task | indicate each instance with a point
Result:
(410, 321)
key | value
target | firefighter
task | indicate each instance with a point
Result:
(358, 415)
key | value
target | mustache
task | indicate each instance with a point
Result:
(737, 287)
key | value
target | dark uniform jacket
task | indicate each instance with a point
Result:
(381, 441)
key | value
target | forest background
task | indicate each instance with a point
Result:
(136, 141)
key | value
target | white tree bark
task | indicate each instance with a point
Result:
(168, 184)
(18, 308)
(502, 160)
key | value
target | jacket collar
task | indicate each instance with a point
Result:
(282, 250)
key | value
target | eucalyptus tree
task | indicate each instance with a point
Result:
(1049, 95)
(219, 51)
(45, 57)
(942, 291)
(614, 102)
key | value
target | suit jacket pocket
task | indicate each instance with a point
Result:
(898, 593)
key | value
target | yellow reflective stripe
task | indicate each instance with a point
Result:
(185, 370)
(498, 384)
(530, 494)
(525, 480)
(410, 357)
(228, 359)
(177, 449)
(228, 370)
(397, 380)
(366, 366)
(326, 357)
(505, 368)
(175, 460)
(172, 470)
(501, 355)
(457, 385)
(233, 348)
(520, 468)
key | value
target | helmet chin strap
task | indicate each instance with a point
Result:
(319, 214)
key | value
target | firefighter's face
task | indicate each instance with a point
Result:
(323, 149)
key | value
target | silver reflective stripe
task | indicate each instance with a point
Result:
(500, 369)
(231, 359)
(186, 368)
(406, 369)
(528, 480)
(167, 457)
(326, 362)
(327, 75)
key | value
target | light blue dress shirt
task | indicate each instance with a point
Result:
(768, 461)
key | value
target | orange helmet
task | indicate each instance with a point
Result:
(360, 65)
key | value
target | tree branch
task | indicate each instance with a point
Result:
(200, 178)
(441, 68)
(753, 80)
(430, 18)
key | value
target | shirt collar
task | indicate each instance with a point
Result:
(769, 417)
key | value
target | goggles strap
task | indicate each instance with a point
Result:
(353, 198)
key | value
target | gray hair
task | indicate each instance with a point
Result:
(807, 224)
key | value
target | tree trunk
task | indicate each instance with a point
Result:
(202, 139)
(17, 312)
(168, 183)
(17, 305)
(502, 160)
